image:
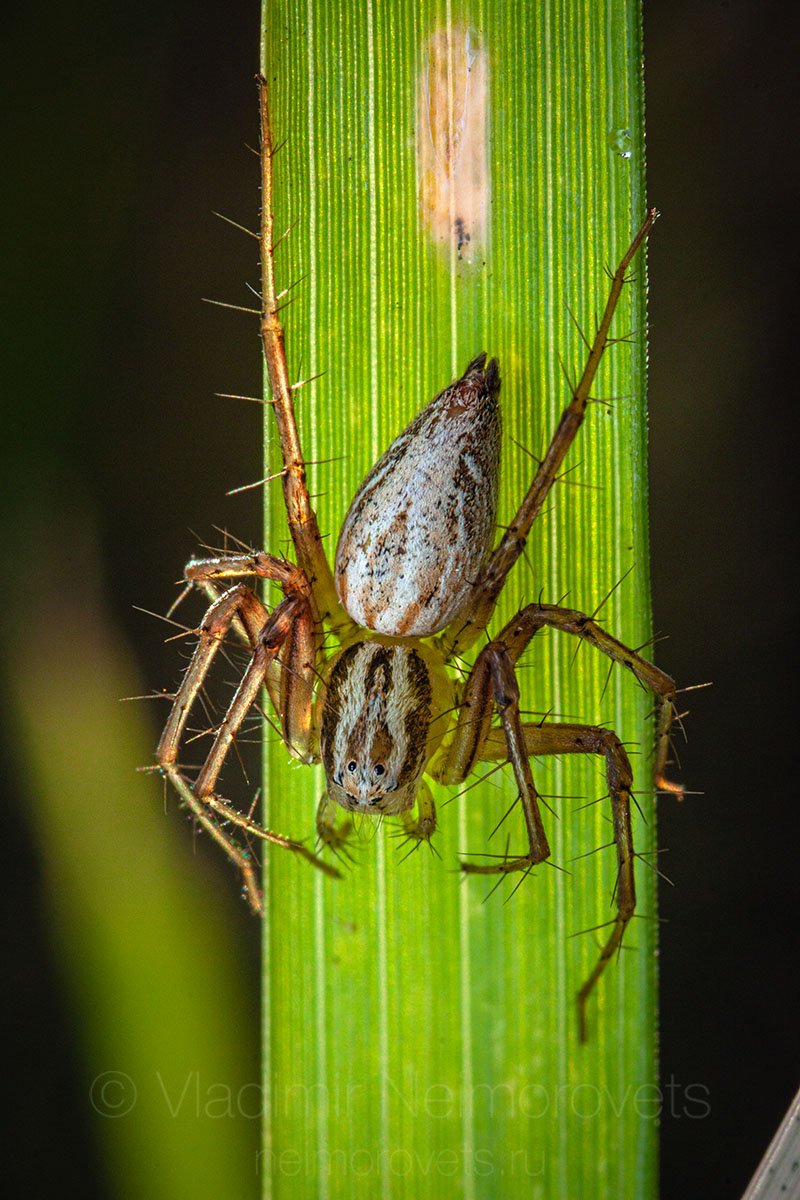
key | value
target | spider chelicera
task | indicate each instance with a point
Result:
(414, 585)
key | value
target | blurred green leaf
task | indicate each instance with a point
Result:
(152, 971)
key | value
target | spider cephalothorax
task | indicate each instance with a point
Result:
(415, 584)
(378, 709)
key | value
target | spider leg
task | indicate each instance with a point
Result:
(492, 682)
(284, 677)
(241, 858)
(281, 626)
(237, 600)
(474, 614)
(292, 613)
(302, 519)
(559, 738)
(521, 629)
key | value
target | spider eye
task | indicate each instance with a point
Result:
(351, 766)
(379, 769)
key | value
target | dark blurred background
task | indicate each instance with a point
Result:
(127, 129)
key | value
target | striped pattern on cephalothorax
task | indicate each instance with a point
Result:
(422, 522)
(376, 715)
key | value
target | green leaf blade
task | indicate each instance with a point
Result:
(422, 1042)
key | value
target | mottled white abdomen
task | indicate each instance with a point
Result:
(423, 520)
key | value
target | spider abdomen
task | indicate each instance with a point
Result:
(423, 520)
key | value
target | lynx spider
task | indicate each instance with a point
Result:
(403, 574)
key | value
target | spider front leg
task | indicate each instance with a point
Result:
(556, 738)
(518, 633)
(492, 682)
(291, 674)
(290, 623)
